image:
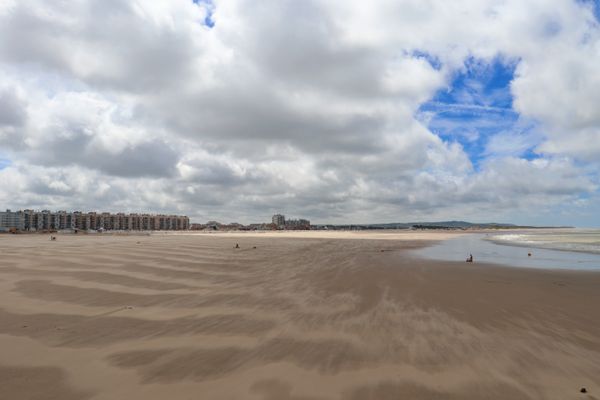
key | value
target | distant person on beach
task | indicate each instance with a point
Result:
(470, 259)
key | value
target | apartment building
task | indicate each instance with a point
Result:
(30, 220)
(278, 220)
(299, 224)
(10, 220)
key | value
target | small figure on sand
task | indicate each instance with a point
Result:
(237, 246)
(470, 259)
(52, 237)
(529, 254)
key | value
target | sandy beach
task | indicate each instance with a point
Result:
(302, 316)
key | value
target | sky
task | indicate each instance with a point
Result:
(336, 111)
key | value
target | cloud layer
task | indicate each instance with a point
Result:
(309, 108)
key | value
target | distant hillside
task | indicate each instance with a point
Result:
(463, 224)
(432, 225)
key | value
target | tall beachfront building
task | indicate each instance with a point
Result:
(278, 220)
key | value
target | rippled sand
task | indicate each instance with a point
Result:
(286, 316)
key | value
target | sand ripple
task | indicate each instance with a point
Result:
(286, 317)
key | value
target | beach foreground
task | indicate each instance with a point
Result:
(303, 318)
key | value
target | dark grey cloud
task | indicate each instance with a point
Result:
(146, 159)
(13, 117)
(27, 36)
(305, 50)
(106, 44)
(243, 119)
(12, 109)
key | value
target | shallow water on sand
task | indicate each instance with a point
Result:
(485, 250)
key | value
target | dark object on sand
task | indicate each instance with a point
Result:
(237, 246)
(583, 390)
(52, 237)
(253, 247)
(470, 259)
(528, 254)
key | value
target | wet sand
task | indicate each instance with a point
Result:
(301, 316)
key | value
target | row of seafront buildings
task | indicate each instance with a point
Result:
(278, 222)
(30, 220)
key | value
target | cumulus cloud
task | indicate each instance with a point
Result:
(310, 108)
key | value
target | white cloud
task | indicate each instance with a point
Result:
(303, 107)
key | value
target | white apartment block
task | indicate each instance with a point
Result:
(10, 220)
(29, 220)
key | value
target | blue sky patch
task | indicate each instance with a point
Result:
(431, 59)
(476, 110)
(4, 162)
(208, 21)
(594, 4)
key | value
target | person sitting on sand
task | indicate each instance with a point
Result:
(470, 259)
(237, 246)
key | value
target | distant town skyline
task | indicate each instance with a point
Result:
(203, 219)
(337, 112)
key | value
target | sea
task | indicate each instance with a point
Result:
(576, 249)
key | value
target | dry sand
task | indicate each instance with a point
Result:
(298, 317)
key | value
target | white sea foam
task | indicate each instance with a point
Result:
(584, 240)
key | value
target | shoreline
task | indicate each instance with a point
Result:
(487, 251)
